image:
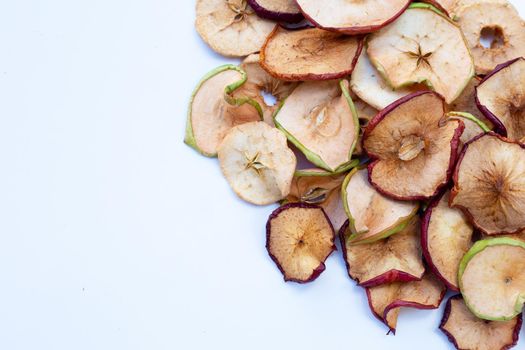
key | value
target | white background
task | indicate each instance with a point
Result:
(113, 233)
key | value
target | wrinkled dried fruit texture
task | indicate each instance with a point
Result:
(423, 46)
(503, 94)
(365, 113)
(230, 27)
(212, 117)
(299, 240)
(279, 6)
(260, 82)
(309, 54)
(352, 16)
(493, 283)
(499, 24)
(373, 214)
(414, 154)
(257, 163)
(467, 331)
(367, 83)
(321, 121)
(448, 239)
(396, 258)
(385, 300)
(489, 185)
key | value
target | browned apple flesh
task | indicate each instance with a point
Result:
(299, 238)
(394, 259)
(489, 184)
(309, 54)
(413, 154)
(352, 16)
(466, 331)
(423, 46)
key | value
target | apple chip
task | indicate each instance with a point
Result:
(446, 6)
(299, 238)
(423, 46)
(277, 10)
(309, 54)
(257, 163)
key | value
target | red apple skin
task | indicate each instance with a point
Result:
(387, 277)
(317, 272)
(455, 144)
(446, 315)
(454, 191)
(275, 16)
(498, 125)
(357, 30)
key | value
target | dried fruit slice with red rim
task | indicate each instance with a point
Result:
(393, 259)
(501, 98)
(257, 163)
(299, 238)
(466, 331)
(231, 27)
(320, 119)
(446, 237)
(352, 17)
(423, 46)
(309, 54)
(492, 278)
(496, 22)
(413, 154)
(386, 300)
(216, 106)
(489, 184)
(372, 216)
(277, 10)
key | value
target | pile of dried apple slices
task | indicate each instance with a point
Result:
(387, 127)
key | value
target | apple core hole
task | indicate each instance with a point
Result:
(492, 37)
(268, 98)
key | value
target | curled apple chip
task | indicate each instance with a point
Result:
(413, 153)
(494, 31)
(352, 17)
(216, 106)
(231, 27)
(386, 300)
(501, 98)
(277, 10)
(393, 259)
(372, 216)
(489, 184)
(446, 237)
(319, 118)
(492, 278)
(423, 46)
(466, 331)
(299, 238)
(309, 54)
(257, 163)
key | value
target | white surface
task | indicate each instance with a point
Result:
(113, 234)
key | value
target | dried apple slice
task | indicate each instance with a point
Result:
(277, 10)
(372, 216)
(501, 98)
(497, 22)
(257, 163)
(386, 300)
(466, 331)
(492, 278)
(393, 259)
(352, 17)
(413, 154)
(216, 107)
(489, 184)
(309, 54)
(299, 238)
(423, 46)
(231, 27)
(446, 237)
(445, 6)
(320, 119)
